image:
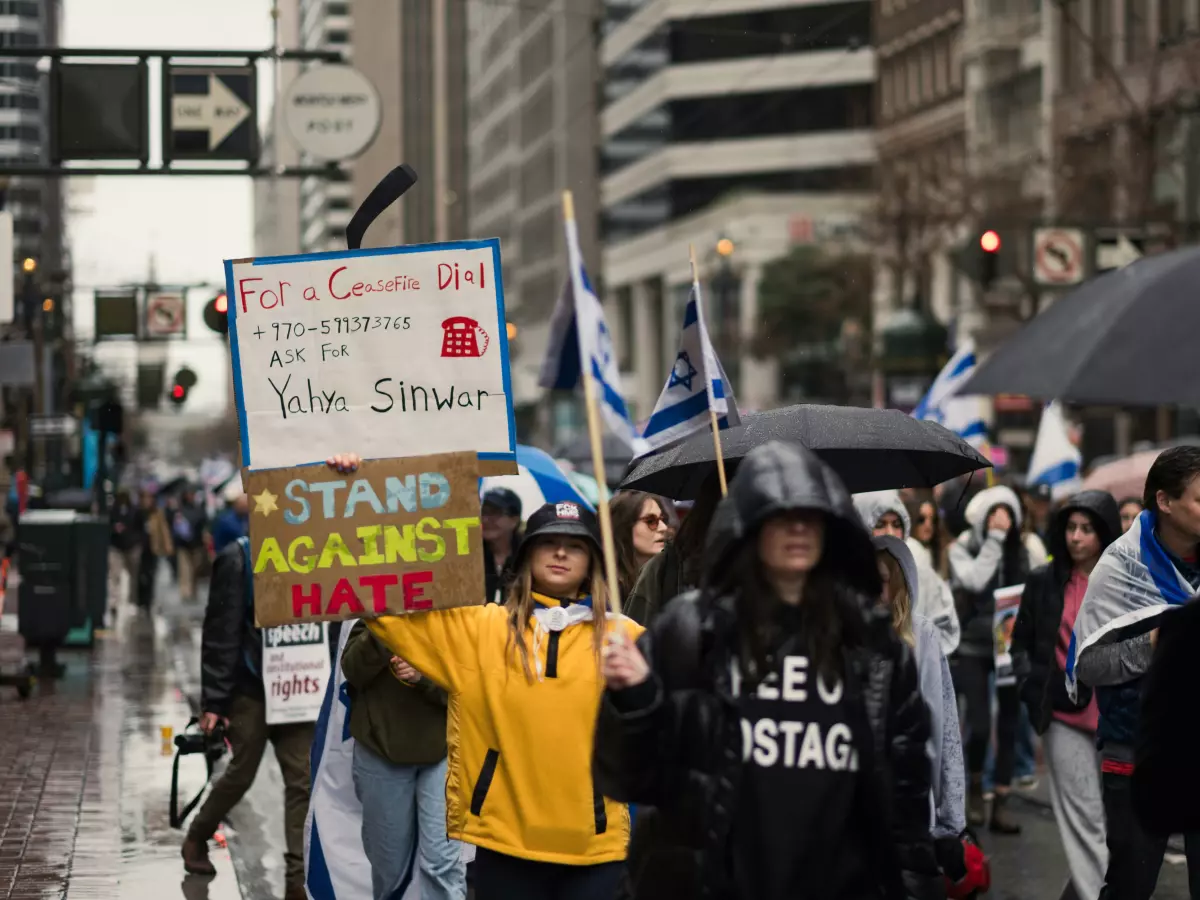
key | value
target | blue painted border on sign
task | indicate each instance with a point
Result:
(235, 358)
(484, 244)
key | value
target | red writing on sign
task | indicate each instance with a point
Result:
(452, 276)
(343, 288)
(344, 599)
(268, 298)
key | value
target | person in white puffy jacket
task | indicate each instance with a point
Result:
(883, 512)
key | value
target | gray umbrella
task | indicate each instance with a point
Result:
(1127, 338)
(617, 456)
(871, 449)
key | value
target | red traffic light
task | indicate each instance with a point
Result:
(989, 241)
(221, 303)
(178, 392)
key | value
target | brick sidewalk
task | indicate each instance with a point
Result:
(84, 784)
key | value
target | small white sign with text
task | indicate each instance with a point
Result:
(295, 670)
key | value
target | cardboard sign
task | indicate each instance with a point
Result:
(396, 536)
(389, 353)
(295, 670)
(1008, 604)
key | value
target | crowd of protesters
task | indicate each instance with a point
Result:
(182, 528)
(800, 696)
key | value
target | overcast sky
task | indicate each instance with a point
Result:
(188, 225)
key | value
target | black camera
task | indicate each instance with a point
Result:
(193, 740)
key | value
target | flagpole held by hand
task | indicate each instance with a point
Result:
(596, 435)
(712, 413)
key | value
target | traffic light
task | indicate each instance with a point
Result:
(989, 258)
(184, 381)
(216, 313)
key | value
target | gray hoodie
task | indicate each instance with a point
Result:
(934, 600)
(948, 795)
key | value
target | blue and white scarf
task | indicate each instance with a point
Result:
(1134, 581)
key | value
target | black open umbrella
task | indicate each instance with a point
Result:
(871, 449)
(1126, 339)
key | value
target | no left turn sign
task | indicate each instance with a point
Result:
(1058, 256)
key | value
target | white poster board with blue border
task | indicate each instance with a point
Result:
(386, 353)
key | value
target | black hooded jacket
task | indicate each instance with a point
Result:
(675, 742)
(1035, 633)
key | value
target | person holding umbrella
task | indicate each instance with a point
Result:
(773, 719)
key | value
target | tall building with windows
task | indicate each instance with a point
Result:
(532, 134)
(413, 53)
(749, 121)
(36, 204)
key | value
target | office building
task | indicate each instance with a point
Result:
(532, 134)
(749, 121)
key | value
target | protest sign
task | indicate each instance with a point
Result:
(1008, 602)
(386, 353)
(396, 536)
(295, 669)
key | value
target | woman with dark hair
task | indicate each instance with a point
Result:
(773, 718)
(523, 686)
(929, 541)
(677, 568)
(1086, 524)
(989, 555)
(641, 525)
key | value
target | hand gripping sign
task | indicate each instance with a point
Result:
(396, 536)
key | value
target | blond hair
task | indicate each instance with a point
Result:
(519, 605)
(898, 598)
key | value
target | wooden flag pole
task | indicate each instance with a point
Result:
(712, 413)
(596, 436)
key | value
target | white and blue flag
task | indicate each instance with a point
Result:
(579, 339)
(696, 384)
(1056, 460)
(1133, 584)
(965, 416)
(539, 480)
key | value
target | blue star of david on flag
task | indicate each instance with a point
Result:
(683, 371)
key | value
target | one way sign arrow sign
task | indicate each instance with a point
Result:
(211, 113)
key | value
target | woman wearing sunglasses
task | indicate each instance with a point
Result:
(641, 528)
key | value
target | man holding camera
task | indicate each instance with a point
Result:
(232, 698)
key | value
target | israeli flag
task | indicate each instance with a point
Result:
(335, 864)
(697, 383)
(1056, 461)
(1133, 584)
(965, 416)
(579, 337)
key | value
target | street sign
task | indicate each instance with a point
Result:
(52, 426)
(100, 110)
(332, 112)
(165, 315)
(211, 112)
(116, 314)
(1058, 256)
(1117, 253)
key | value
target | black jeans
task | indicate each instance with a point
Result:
(501, 877)
(970, 675)
(1135, 856)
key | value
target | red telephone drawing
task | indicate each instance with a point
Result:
(463, 337)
